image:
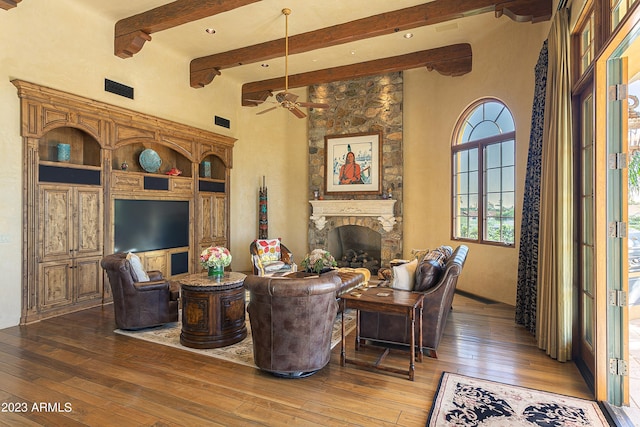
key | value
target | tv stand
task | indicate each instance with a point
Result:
(80, 155)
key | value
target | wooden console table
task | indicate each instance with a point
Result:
(390, 301)
(213, 310)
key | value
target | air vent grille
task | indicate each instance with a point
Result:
(221, 121)
(118, 88)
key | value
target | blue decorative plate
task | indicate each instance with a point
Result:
(150, 161)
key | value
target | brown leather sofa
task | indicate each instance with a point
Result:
(140, 305)
(291, 322)
(387, 328)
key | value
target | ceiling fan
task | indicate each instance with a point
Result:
(286, 99)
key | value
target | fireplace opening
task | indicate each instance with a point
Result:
(355, 246)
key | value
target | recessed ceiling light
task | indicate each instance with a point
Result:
(264, 65)
(408, 35)
(353, 52)
(210, 30)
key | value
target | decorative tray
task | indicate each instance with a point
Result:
(150, 160)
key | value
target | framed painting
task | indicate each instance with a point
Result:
(353, 163)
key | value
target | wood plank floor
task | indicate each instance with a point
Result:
(78, 372)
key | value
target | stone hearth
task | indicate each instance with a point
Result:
(376, 215)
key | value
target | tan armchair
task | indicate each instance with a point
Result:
(136, 304)
(284, 263)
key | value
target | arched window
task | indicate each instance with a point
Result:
(484, 203)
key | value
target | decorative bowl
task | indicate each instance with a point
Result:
(150, 160)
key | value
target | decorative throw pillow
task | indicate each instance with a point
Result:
(268, 250)
(384, 273)
(427, 275)
(440, 254)
(404, 276)
(419, 253)
(447, 251)
(137, 272)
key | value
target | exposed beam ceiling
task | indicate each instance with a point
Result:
(204, 69)
(132, 32)
(454, 60)
(8, 4)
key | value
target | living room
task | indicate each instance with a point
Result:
(274, 145)
(67, 45)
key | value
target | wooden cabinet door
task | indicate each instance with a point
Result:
(213, 219)
(55, 284)
(54, 230)
(156, 260)
(88, 221)
(88, 278)
(220, 202)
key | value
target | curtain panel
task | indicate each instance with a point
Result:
(528, 256)
(554, 315)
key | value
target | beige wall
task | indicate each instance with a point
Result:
(273, 145)
(503, 67)
(61, 45)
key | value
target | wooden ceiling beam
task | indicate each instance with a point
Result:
(132, 32)
(453, 60)
(204, 69)
(8, 4)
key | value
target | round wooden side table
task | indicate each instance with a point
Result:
(213, 310)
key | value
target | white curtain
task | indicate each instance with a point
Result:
(556, 244)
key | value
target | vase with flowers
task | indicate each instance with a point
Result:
(318, 261)
(215, 259)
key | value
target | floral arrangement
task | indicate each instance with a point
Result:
(318, 260)
(215, 256)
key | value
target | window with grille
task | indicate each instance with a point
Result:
(483, 154)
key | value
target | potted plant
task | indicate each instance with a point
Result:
(318, 261)
(215, 259)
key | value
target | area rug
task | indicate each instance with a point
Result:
(466, 401)
(241, 352)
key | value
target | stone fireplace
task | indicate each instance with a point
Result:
(360, 105)
(331, 224)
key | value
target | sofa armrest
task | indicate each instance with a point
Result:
(150, 286)
(155, 275)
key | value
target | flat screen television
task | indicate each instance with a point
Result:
(147, 225)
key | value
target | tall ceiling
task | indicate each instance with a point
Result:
(252, 22)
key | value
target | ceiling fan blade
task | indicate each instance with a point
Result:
(257, 101)
(267, 110)
(298, 112)
(313, 105)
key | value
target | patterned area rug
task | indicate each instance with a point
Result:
(466, 401)
(241, 352)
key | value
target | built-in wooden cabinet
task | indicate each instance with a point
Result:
(69, 201)
(70, 232)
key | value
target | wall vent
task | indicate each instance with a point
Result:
(221, 121)
(118, 88)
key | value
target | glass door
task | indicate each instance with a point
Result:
(587, 249)
(617, 381)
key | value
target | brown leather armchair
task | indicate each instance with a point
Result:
(387, 328)
(140, 305)
(291, 322)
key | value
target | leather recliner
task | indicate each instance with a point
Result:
(292, 322)
(140, 305)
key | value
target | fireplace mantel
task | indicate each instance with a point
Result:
(382, 209)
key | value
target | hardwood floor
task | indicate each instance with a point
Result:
(78, 372)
